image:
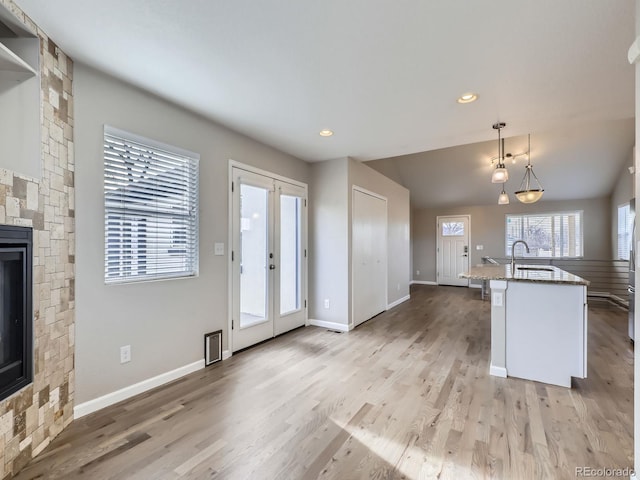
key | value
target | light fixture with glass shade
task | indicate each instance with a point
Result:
(528, 192)
(500, 174)
(503, 198)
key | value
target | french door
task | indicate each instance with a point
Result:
(268, 257)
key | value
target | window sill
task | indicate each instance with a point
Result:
(131, 281)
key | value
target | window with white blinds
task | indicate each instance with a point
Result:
(625, 226)
(151, 209)
(547, 234)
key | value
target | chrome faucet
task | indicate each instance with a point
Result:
(513, 254)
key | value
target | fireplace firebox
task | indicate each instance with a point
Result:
(16, 310)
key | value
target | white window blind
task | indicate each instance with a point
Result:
(151, 209)
(624, 231)
(547, 234)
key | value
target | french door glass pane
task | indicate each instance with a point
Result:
(253, 244)
(290, 261)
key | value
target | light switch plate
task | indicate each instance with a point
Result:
(218, 248)
(479, 247)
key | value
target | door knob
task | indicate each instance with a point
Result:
(272, 267)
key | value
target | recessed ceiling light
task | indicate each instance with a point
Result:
(326, 133)
(468, 98)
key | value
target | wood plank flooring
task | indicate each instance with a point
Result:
(406, 395)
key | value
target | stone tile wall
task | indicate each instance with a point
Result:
(31, 418)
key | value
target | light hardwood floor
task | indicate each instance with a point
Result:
(405, 395)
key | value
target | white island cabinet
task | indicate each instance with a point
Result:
(538, 322)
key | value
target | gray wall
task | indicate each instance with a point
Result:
(330, 236)
(488, 229)
(398, 225)
(328, 241)
(163, 321)
(622, 193)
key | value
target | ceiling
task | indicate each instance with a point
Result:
(384, 76)
(574, 162)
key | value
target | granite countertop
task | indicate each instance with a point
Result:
(550, 274)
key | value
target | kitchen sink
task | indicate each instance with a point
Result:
(536, 269)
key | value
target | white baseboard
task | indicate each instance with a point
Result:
(474, 285)
(127, 392)
(422, 282)
(226, 354)
(497, 371)
(618, 300)
(398, 302)
(615, 299)
(340, 327)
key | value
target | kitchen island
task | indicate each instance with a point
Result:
(538, 322)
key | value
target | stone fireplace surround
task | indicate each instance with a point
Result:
(32, 417)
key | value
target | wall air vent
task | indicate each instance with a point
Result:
(212, 347)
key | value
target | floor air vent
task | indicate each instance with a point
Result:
(212, 347)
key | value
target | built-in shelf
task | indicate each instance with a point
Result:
(20, 105)
(12, 67)
(20, 138)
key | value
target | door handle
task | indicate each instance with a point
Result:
(272, 267)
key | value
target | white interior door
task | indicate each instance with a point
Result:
(453, 250)
(369, 255)
(268, 257)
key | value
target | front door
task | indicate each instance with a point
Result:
(453, 250)
(268, 257)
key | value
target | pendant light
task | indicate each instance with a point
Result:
(503, 198)
(528, 193)
(500, 174)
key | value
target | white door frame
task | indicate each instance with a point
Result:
(468, 217)
(386, 251)
(243, 166)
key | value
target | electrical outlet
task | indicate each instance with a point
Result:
(497, 299)
(398, 287)
(479, 247)
(125, 354)
(417, 272)
(218, 248)
(326, 303)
